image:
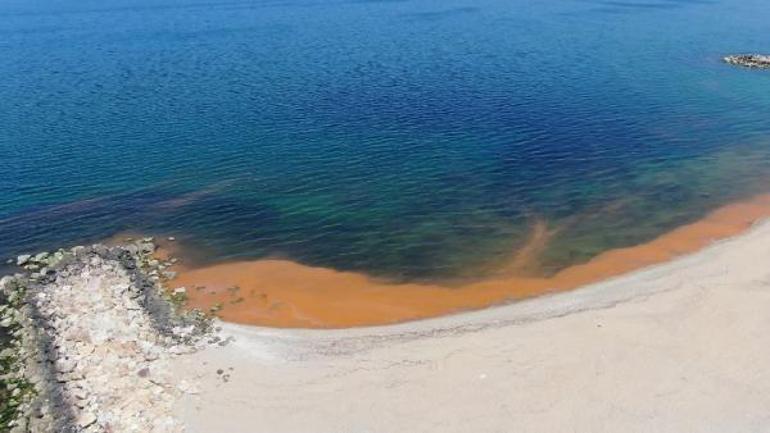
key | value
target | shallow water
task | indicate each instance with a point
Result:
(282, 293)
(407, 139)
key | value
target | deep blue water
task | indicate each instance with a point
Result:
(411, 139)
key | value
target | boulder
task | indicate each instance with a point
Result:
(749, 60)
(41, 257)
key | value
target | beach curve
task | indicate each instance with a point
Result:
(282, 293)
(670, 348)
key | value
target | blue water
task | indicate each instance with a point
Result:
(410, 139)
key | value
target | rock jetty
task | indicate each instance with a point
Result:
(89, 337)
(749, 60)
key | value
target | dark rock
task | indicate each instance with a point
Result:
(749, 60)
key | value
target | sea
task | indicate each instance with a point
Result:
(410, 140)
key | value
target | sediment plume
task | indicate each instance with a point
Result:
(283, 293)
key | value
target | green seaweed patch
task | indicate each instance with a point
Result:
(14, 388)
(179, 299)
(216, 308)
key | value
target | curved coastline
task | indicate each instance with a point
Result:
(285, 294)
(670, 348)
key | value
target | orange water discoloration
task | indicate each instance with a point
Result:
(526, 260)
(282, 293)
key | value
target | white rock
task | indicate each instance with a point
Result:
(65, 365)
(85, 419)
(188, 388)
(23, 259)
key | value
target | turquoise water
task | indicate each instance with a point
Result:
(411, 139)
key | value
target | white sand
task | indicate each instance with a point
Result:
(681, 347)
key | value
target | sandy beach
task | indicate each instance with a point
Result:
(676, 347)
(385, 216)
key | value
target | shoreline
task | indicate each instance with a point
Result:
(673, 347)
(285, 294)
(639, 285)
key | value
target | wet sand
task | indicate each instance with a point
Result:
(280, 293)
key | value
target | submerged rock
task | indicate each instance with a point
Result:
(749, 60)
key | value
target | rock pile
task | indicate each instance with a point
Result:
(93, 334)
(749, 60)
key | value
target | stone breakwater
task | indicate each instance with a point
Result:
(749, 60)
(90, 335)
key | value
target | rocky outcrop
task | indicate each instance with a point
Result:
(91, 337)
(749, 60)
